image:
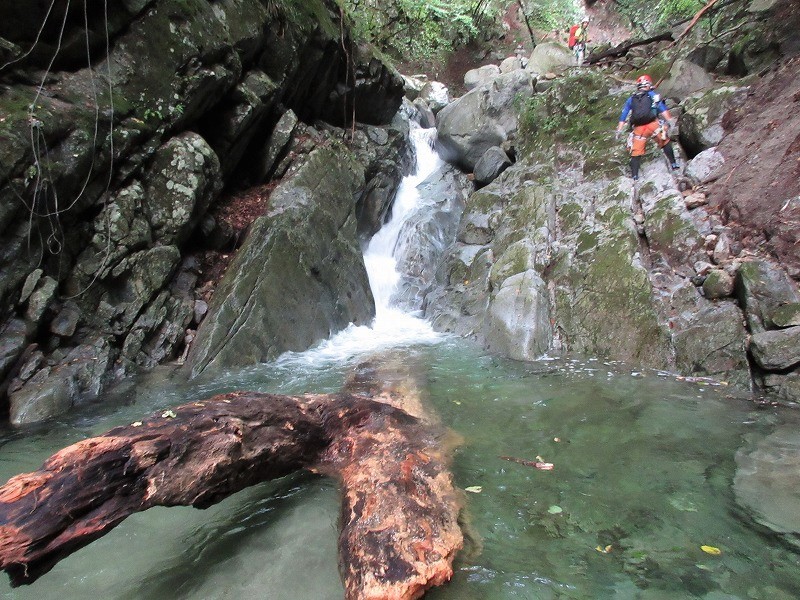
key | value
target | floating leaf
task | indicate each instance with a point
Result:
(474, 489)
(168, 414)
(555, 510)
(137, 424)
(713, 550)
(457, 402)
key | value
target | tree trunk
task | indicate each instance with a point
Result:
(399, 513)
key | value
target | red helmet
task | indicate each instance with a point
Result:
(644, 81)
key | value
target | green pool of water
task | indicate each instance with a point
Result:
(642, 481)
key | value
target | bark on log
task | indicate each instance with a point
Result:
(399, 515)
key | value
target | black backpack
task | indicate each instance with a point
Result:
(642, 110)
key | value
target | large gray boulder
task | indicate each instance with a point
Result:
(477, 77)
(705, 166)
(700, 121)
(776, 350)
(299, 276)
(549, 57)
(713, 343)
(519, 323)
(684, 78)
(493, 162)
(485, 117)
(761, 288)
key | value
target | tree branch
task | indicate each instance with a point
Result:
(694, 20)
(622, 49)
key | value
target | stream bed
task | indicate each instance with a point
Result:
(643, 480)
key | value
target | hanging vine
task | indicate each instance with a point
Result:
(40, 194)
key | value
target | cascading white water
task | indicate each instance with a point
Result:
(392, 326)
(379, 257)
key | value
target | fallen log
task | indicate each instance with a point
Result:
(622, 49)
(399, 531)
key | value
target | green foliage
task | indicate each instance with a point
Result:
(420, 29)
(657, 15)
(670, 11)
(551, 14)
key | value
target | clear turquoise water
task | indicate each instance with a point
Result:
(643, 478)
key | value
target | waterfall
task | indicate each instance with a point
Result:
(393, 326)
(380, 257)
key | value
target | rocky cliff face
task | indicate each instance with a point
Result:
(693, 273)
(120, 138)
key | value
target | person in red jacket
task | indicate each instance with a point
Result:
(578, 37)
(650, 118)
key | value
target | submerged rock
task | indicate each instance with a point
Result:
(767, 483)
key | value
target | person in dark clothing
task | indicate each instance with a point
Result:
(649, 117)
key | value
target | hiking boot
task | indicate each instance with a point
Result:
(635, 178)
(675, 166)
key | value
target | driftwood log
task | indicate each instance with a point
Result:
(399, 530)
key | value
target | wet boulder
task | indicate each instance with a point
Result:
(387, 156)
(713, 344)
(425, 236)
(53, 390)
(518, 324)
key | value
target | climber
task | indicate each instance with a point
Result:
(649, 117)
(578, 37)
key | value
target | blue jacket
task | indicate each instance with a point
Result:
(660, 107)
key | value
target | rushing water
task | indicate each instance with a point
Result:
(644, 465)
